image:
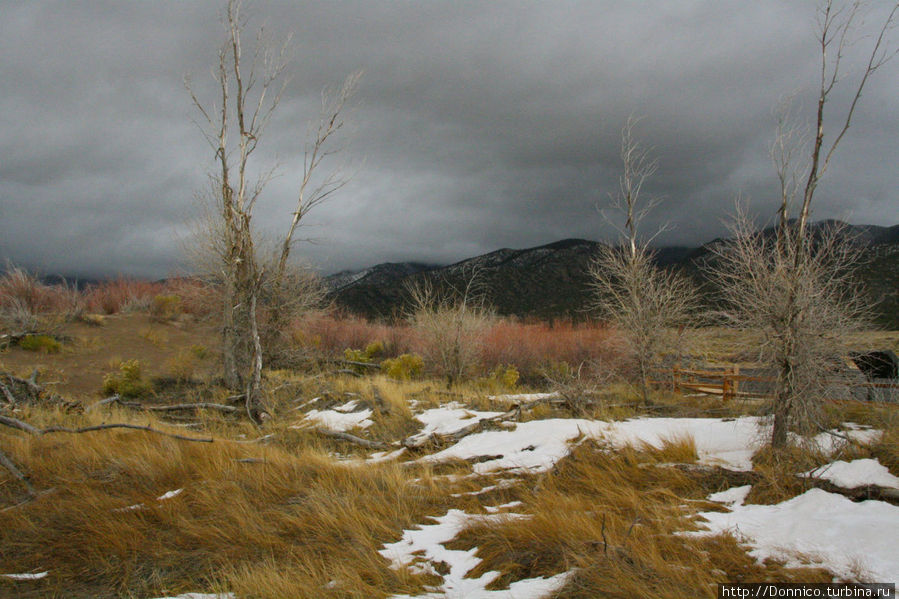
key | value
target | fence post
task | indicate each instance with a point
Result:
(675, 378)
(725, 387)
(736, 385)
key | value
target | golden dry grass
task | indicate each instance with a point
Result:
(246, 513)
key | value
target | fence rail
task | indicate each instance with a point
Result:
(728, 383)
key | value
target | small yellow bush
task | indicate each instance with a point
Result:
(41, 343)
(374, 349)
(503, 378)
(128, 382)
(165, 307)
(403, 367)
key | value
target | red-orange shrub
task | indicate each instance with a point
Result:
(530, 347)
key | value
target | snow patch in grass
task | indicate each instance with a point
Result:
(33, 576)
(341, 418)
(725, 442)
(732, 496)
(857, 473)
(537, 445)
(829, 529)
(448, 419)
(533, 446)
(169, 495)
(421, 548)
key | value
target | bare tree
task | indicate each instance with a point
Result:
(249, 92)
(650, 306)
(795, 286)
(452, 320)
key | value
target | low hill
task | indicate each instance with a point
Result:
(552, 281)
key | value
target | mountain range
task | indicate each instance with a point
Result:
(553, 281)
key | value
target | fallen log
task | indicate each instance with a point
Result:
(189, 406)
(351, 438)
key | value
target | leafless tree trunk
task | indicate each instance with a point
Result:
(248, 94)
(649, 305)
(796, 288)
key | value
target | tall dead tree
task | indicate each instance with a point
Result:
(795, 287)
(249, 92)
(649, 305)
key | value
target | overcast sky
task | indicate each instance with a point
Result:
(477, 125)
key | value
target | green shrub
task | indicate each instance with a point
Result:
(41, 343)
(128, 382)
(200, 352)
(403, 367)
(165, 307)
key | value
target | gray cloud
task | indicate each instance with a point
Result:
(479, 125)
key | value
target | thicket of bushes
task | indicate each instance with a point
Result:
(532, 350)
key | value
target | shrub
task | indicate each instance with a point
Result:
(165, 307)
(41, 343)
(128, 382)
(502, 378)
(403, 367)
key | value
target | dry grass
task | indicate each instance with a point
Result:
(298, 519)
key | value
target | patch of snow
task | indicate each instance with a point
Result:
(419, 548)
(448, 419)
(827, 528)
(857, 473)
(202, 596)
(34, 576)
(340, 421)
(829, 443)
(732, 496)
(385, 456)
(533, 446)
(724, 442)
(537, 445)
(493, 509)
(169, 495)
(130, 508)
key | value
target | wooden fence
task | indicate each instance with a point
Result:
(727, 382)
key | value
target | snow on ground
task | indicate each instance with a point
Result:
(825, 528)
(724, 442)
(448, 419)
(857, 473)
(341, 418)
(533, 446)
(537, 445)
(169, 495)
(34, 576)
(829, 442)
(421, 548)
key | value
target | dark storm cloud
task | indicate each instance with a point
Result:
(479, 124)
